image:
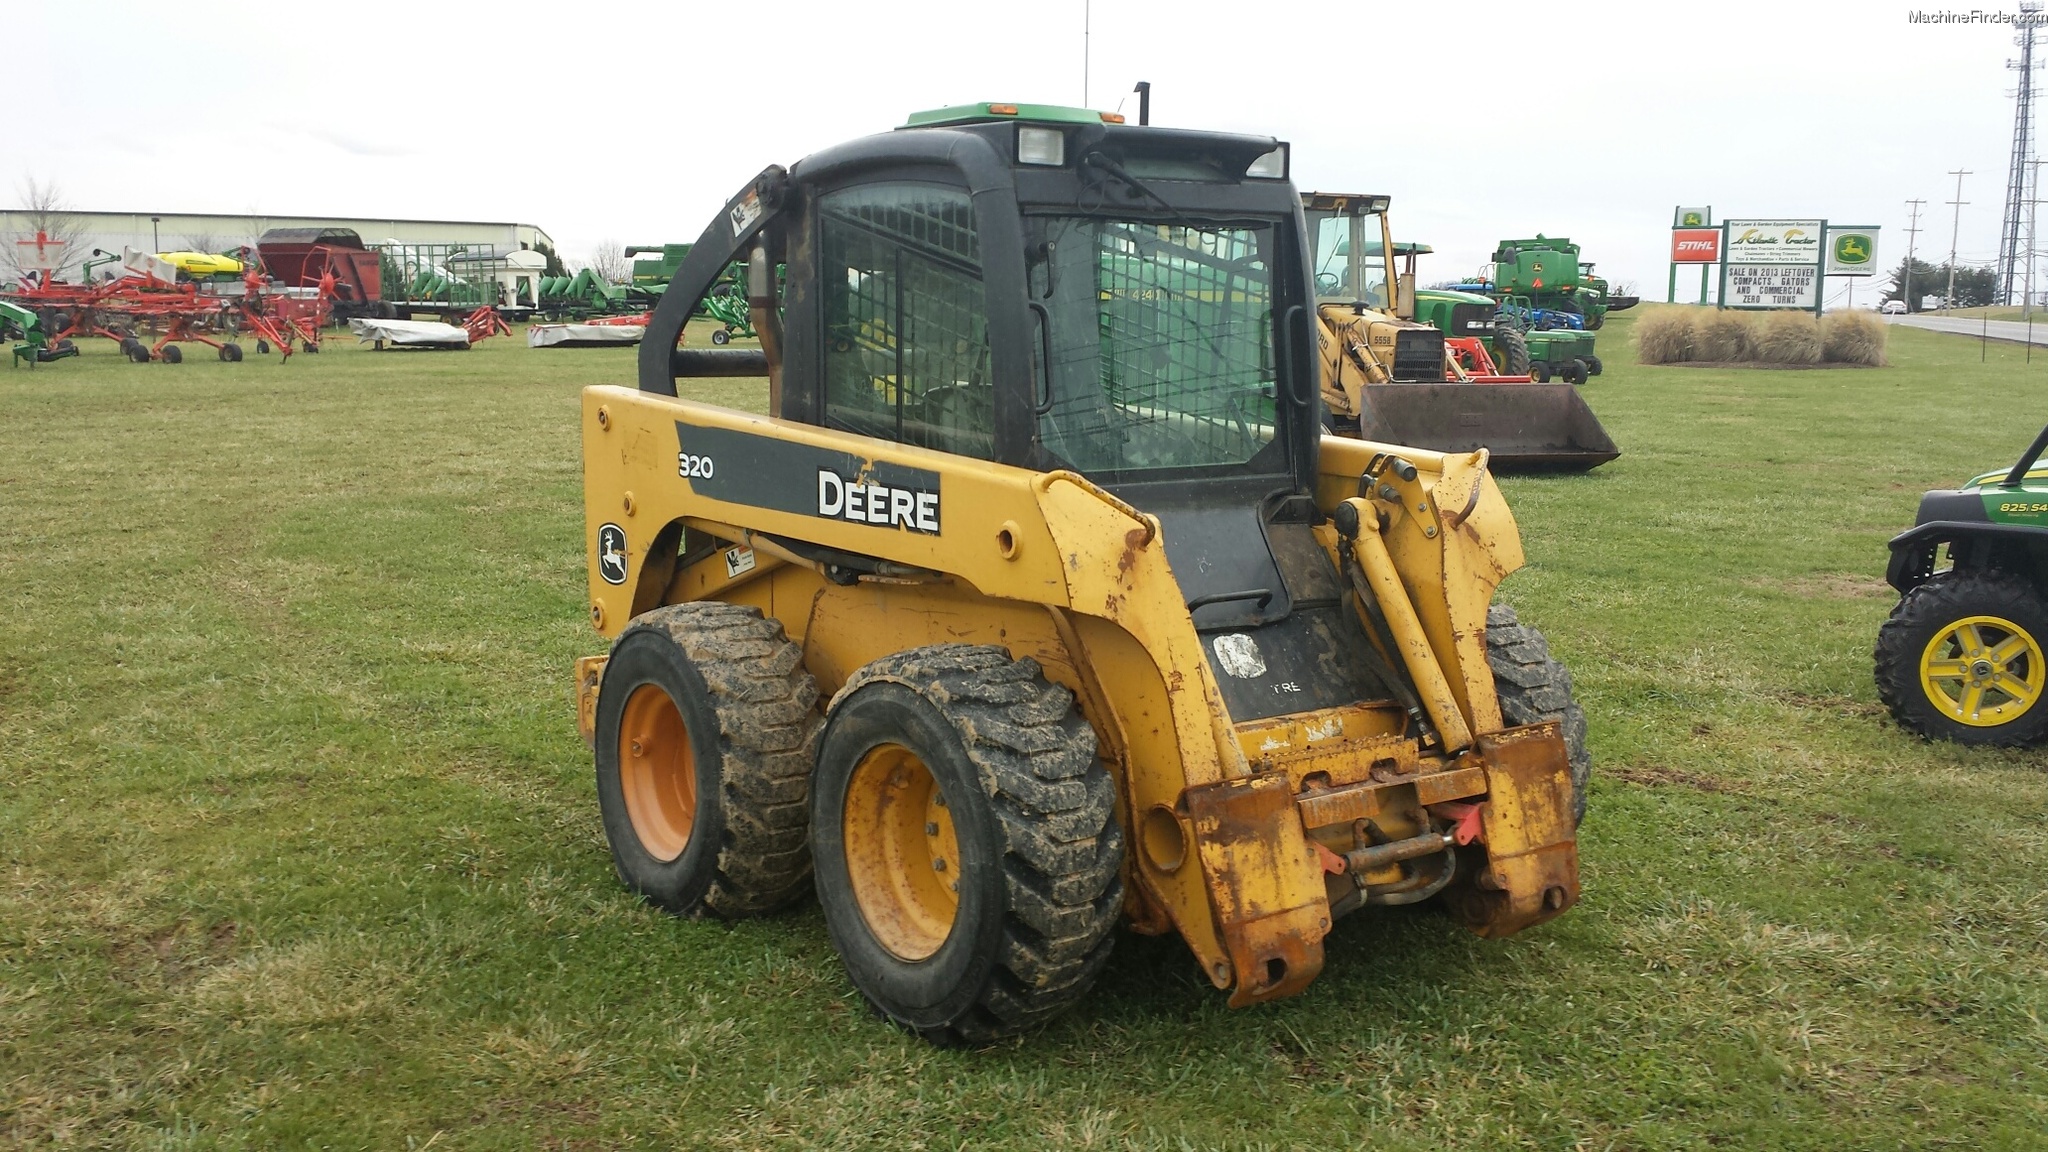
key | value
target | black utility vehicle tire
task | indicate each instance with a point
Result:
(1540, 373)
(1033, 815)
(747, 710)
(1533, 687)
(1514, 351)
(1932, 608)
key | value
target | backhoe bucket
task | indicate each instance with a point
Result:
(1526, 427)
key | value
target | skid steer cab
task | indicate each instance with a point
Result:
(1038, 602)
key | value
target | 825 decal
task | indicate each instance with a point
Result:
(689, 465)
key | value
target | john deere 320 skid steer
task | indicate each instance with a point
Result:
(1038, 601)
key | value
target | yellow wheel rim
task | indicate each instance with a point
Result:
(901, 854)
(1983, 671)
(657, 772)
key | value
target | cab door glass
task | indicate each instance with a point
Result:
(906, 354)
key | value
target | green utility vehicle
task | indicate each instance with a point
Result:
(1961, 657)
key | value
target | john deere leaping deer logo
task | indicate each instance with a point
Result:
(1694, 220)
(1852, 248)
(611, 553)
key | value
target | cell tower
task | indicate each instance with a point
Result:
(2016, 187)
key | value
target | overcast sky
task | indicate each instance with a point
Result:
(633, 123)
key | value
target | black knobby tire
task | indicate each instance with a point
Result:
(1514, 351)
(1576, 372)
(748, 710)
(1928, 610)
(1593, 365)
(1039, 849)
(1533, 687)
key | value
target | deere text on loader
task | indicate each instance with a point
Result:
(1386, 377)
(1038, 602)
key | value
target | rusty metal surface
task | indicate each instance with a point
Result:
(589, 673)
(1532, 857)
(1339, 806)
(1525, 426)
(1265, 883)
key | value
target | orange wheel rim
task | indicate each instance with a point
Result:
(657, 772)
(902, 856)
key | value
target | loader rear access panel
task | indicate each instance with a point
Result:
(1267, 604)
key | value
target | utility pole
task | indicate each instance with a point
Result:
(1955, 231)
(1912, 233)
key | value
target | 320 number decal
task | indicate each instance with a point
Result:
(689, 466)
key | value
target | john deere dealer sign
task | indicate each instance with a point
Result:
(1851, 251)
(1773, 263)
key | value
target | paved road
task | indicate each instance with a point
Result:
(2013, 330)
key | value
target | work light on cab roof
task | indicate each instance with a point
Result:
(1041, 144)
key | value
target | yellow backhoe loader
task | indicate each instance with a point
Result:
(1386, 376)
(1037, 602)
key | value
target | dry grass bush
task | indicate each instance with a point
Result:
(1786, 338)
(1853, 338)
(1664, 336)
(1721, 338)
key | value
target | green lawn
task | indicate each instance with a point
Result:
(301, 847)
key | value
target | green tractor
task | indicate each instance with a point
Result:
(1551, 298)
(1961, 657)
(1517, 345)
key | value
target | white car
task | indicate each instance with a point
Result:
(1894, 308)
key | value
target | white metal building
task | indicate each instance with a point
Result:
(188, 231)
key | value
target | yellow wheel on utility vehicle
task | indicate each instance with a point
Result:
(901, 853)
(1983, 671)
(1961, 659)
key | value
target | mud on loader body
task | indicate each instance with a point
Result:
(1040, 602)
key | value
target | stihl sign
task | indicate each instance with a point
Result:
(1695, 245)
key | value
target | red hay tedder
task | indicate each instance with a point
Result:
(147, 296)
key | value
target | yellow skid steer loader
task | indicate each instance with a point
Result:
(1037, 601)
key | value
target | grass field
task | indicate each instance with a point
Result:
(301, 848)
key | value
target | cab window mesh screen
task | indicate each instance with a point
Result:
(906, 326)
(1161, 354)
